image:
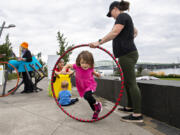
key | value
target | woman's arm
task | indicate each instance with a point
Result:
(57, 73)
(110, 36)
(21, 59)
(70, 72)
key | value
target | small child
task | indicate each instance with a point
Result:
(85, 83)
(59, 68)
(64, 97)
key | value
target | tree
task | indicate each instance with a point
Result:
(63, 46)
(6, 49)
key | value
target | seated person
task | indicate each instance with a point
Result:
(57, 85)
(60, 67)
(64, 97)
(26, 56)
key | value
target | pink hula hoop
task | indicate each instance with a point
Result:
(120, 93)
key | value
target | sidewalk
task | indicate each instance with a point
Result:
(38, 114)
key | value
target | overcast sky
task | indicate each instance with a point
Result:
(83, 21)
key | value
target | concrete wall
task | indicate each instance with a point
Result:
(160, 98)
(161, 102)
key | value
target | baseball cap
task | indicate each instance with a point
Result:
(113, 4)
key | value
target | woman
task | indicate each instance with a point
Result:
(26, 56)
(60, 67)
(124, 49)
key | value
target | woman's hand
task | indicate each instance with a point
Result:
(94, 44)
(20, 59)
(63, 72)
(70, 73)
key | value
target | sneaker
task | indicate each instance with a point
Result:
(95, 115)
(77, 99)
(125, 110)
(98, 107)
(131, 118)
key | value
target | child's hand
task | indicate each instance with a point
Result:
(63, 72)
(98, 75)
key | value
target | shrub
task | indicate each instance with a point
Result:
(162, 75)
(12, 76)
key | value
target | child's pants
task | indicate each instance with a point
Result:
(73, 101)
(90, 99)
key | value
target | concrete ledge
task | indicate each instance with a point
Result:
(160, 98)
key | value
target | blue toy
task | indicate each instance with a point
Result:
(19, 65)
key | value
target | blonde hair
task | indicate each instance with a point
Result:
(64, 84)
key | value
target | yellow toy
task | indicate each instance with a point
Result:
(57, 84)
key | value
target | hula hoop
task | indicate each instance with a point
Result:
(16, 82)
(117, 101)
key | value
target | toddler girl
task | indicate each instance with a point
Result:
(85, 82)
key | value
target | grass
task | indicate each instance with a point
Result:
(12, 76)
(175, 79)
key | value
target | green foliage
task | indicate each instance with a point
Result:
(116, 72)
(173, 76)
(6, 49)
(167, 76)
(63, 46)
(139, 70)
(12, 76)
(175, 79)
(44, 66)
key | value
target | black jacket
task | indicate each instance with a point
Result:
(27, 55)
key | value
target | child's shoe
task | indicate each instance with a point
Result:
(95, 115)
(98, 107)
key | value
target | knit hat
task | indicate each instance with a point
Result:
(24, 45)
